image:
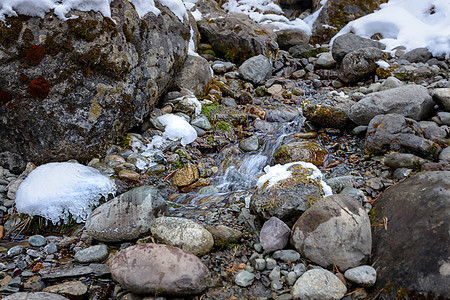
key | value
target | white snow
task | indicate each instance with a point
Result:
(143, 7)
(383, 64)
(55, 190)
(408, 23)
(278, 172)
(176, 128)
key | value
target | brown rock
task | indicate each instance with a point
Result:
(186, 175)
(129, 175)
(301, 151)
(72, 289)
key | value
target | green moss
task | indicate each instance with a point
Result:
(385, 73)
(223, 126)
(86, 30)
(373, 216)
(210, 110)
(124, 142)
(10, 30)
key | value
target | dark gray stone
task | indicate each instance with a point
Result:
(359, 64)
(274, 235)
(350, 42)
(37, 241)
(417, 55)
(99, 270)
(412, 253)
(291, 37)
(256, 69)
(411, 101)
(403, 160)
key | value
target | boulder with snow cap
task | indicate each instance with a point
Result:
(83, 82)
(286, 191)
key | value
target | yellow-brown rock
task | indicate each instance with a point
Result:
(186, 175)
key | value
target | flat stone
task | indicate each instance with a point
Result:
(71, 289)
(96, 253)
(445, 117)
(34, 296)
(287, 255)
(244, 278)
(442, 97)
(77, 271)
(37, 241)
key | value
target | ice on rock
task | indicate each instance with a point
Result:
(278, 172)
(177, 128)
(55, 190)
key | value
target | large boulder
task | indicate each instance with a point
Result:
(394, 132)
(350, 42)
(236, 37)
(256, 69)
(127, 216)
(70, 89)
(159, 269)
(288, 198)
(318, 284)
(335, 14)
(411, 101)
(335, 230)
(411, 240)
(195, 75)
(359, 64)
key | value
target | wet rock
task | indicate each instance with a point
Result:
(16, 250)
(359, 64)
(78, 73)
(318, 284)
(442, 97)
(412, 253)
(445, 154)
(301, 151)
(237, 45)
(96, 253)
(394, 132)
(335, 14)
(37, 241)
(325, 61)
(417, 55)
(224, 235)
(283, 113)
(128, 175)
(256, 69)
(34, 296)
(287, 38)
(194, 76)
(72, 289)
(288, 198)
(335, 230)
(185, 176)
(411, 101)
(11, 286)
(444, 117)
(244, 278)
(161, 269)
(202, 122)
(403, 160)
(274, 235)
(329, 112)
(183, 233)
(350, 42)
(362, 275)
(249, 144)
(127, 216)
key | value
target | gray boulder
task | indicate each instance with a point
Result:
(183, 233)
(335, 230)
(318, 284)
(159, 269)
(417, 55)
(442, 97)
(256, 69)
(413, 252)
(403, 160)
(350, 42)
(34, 296)
(287, 38)
(359, 64)
(82, 83)
(195, 75)
(394, 132)
(127, 216)
(274, 235)
(96, 253)
(325, 60)
(412, 101)
(236, 37)
(362, 275)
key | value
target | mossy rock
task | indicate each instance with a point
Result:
(307, 151)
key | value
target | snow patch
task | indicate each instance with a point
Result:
(383, 64)
(55, 190)
(278, 173)
(176, 128)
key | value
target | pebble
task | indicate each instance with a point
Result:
(365, 276)
(37, 241)
(51, 248)
(260, 264)
(270, 263)
(299, 269)
(287, 255)
(275, 274)
(244, 278)
(16, 250)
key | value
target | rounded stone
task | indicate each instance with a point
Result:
(244, 278)
(37, 241)
(318, 284)
(71, 289)
(186, 234)
(301, 151)
(335, 230)
(95, 253)
(363, 275)
(159, 269)
(249, 144)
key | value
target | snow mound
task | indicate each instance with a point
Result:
(409, 23)
(55, 190)
(277, 173)
(176, 128)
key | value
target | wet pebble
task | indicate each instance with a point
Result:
(363, 275)
(95, 253)
(244, 278)
(37, 241)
